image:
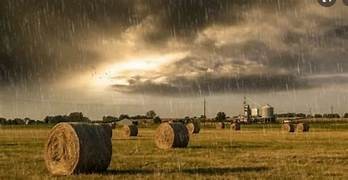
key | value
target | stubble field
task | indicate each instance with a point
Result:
(257, 151)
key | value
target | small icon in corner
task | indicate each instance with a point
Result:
(345, 2)
(327, 3)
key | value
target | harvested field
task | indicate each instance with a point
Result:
(321, 153)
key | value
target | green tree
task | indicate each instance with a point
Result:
(220, 116)
(157, 120)
(123, 116)
(151, 114)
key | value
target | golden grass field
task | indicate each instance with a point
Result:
(257, 151)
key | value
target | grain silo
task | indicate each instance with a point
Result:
(267, 113)
(255, 112)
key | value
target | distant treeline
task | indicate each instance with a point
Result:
(72, 117)
(302, 115)
(149, 116)
(18, 121)
(78, 117)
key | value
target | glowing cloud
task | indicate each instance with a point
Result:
(119, 73)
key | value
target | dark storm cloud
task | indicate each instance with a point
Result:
(210, 84)
(268, 48)
(42, 39)
(238, 45)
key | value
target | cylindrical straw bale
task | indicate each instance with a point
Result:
(302, 127)
(78, 148)
(171, 135)
(194, 127)
(288, 127)
(130, 130)
(235, 126)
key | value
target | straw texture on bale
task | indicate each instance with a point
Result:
(288, 127)
(171, 135)
(235, 126)
(130, 130)
(302, 127)
(190, 128)
(194, 127)
(74, 148)
(220, 125)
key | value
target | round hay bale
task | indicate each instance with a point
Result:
(171, 135)
(220, 125)
(197, 124)
(78, 148)
(235, 126)
(302, 127)
(130, 130)
(107, 128)
(288, 127)
(190, 127)
(194, 127)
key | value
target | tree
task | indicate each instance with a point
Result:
(220, 116)
(318, 116)
(157, 120)
(109, 119)
(151, 114)
(345, 115)
(123, 116)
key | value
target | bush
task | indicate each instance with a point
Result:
(19, 121)
(300, 115)
(318, 116)
(345, 115)
(73, 117)
(157, 120)
(123, 116)
(2, 121)
(109, 119)
(330, 116)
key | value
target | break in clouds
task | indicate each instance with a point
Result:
(223, 46)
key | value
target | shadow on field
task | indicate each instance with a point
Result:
(211, 170)
(129, 171)
(9, 144)
(205, 171)
(228, 146)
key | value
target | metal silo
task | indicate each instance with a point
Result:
(267, 111)
(255, 112)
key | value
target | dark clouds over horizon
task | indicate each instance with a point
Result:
(231, 46)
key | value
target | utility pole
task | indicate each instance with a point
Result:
(332, 109)
(204, 109)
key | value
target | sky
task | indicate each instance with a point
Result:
(108, 57)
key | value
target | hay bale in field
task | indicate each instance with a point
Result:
(107, 129)
(235, 126)
(78, 148)
(130, 130)
(220, 125)
(194, 127)
(171, 135)
(288, 127)
(302, 127)
(190, 128)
